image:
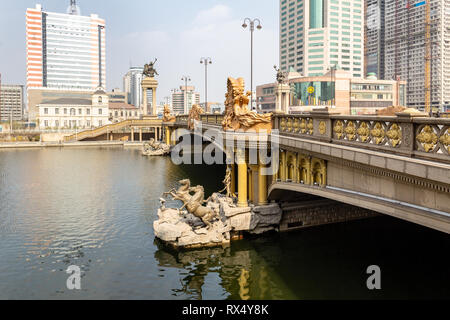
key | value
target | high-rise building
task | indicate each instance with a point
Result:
(178, 99)
(11, 102)
(65, 50)
(132, 86)
(405, 49)
(374, 38)
(316, 35)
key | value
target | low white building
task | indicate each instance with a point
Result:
(70, 113)
(123, 111)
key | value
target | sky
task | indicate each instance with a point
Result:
(176, 32)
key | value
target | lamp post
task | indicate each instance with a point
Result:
(206, 61)
(252, 28)
(100, 27)
(185, 79)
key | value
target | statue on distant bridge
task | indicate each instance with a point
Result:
(149, 69)
(281, 76)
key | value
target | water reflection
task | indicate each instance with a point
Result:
(243, 273)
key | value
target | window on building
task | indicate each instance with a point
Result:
(56, 110)
(100, 111)
(80, 111)
(45, 110)
(88, 111)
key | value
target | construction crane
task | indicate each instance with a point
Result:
(428, 58)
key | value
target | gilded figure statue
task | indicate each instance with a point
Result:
(227, 183)
(167, 117)
(193, 203)
(194, 115)
(237, 115)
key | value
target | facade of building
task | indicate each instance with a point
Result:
(374, 38)
(317, 35)
(338, 91)
(11, 102)
(178, 99)
(65, 51)
(120, 111)
(132, 86)
(405, 49)
(71, 113)
(117, 96)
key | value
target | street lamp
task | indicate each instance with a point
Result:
(252, 28)
(206, 61)
(185, 79)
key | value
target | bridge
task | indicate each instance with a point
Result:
(130, 130)
(329, 163)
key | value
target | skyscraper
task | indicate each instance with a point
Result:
(132, 86)
(65, 50)
(405, 49)
(178, 99)
(316, 35)
(374, 37)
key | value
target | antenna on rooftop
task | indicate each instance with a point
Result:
(73, 8)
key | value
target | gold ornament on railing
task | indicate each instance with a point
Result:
(322, 128)
(296, 125)
(350, 130)
(310, 127)
(303, 126)
(394, 134)
(237, 115)
(363, 131)
(339, 129)
(445, 139)
(283, 124)
(289, 125)
(378, 133)
(427, 138)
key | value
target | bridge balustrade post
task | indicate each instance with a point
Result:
(322, 125)
(132, 134)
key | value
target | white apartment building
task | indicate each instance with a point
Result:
(11, 102)
(188, 94)
(65, 51)
(405, 49)
(132, 86)
(70, 113)
(316, 35)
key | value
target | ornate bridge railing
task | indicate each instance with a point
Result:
(421, 137)
(404, 135)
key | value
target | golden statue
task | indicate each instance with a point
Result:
(237, 114)
(166, 115)
(194, 115)
(227, 183)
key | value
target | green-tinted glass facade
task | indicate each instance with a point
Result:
(323, 93)
(316, 14)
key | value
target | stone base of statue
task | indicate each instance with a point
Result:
(153, 148)
(181, 229)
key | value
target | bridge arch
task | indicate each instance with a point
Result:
(431, 218)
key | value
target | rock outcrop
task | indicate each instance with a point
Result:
(181, 229)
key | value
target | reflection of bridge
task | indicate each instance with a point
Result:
(135, 129)
(398, 165)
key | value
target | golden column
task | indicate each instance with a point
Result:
(262, 186)
(242, 178)
(168, 136)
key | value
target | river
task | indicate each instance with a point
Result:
(95, 207)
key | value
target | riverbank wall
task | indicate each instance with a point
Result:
(25, 144)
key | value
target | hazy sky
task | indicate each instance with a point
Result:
(177, 32)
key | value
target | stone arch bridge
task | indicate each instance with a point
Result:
(393, 165)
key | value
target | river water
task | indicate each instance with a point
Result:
(95, 207)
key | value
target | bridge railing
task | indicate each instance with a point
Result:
(111, 128)
(402, 134)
